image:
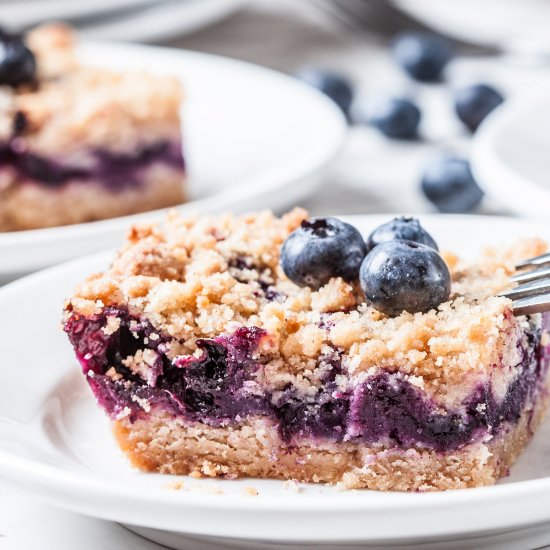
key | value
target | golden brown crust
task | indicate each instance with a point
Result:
(165, 444)
(30, 206)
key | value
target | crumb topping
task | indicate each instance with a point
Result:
(201, 277)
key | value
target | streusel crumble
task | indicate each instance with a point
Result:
(211, 362)
(79, 143)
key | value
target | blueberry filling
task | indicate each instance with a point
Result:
(264, 278)
(389, 406)
(270, 293)
(323, 418)
(115, 171)
(19, 123)
(213, 385)
(219, 387)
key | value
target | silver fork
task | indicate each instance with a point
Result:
(532, 295)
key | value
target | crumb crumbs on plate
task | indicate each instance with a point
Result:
(292, 485)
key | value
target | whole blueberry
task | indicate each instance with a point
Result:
(422, 55)
(402, 228)
(17, 62)
(399, 276)
(334, 85)
(449, 184)
(474, 103)
(322, 248)
(396, 118)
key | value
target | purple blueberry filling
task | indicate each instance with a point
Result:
(265, 277)
(214, 385)
(219, 387)
(115, 171)
(322, 418)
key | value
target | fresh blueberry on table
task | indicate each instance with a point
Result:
(422, 55)
(396, 118)
(449, 184)
(474, 103)
(334, 85)
(399, 276)
(322, 248)
(402, 228)
(17, 62)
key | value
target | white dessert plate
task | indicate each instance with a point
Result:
(253, 138)
(56, 444)
(510, 154)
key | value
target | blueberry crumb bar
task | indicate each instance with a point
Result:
(79, 143)
(224, 347)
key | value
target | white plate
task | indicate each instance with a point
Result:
(55, 443)
(253, 138)
(510, 154)
(156, 21)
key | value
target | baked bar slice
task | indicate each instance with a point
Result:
(79, 143)
(211, 362)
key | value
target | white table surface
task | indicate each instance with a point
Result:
(371, 175)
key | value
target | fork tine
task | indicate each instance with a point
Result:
(531, 304)
(531, 275)
(531, 288)
(541, 260)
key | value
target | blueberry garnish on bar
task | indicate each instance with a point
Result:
(400, 275)
(405, 228)
(402, 271)
(17, 62)
(322, 248)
